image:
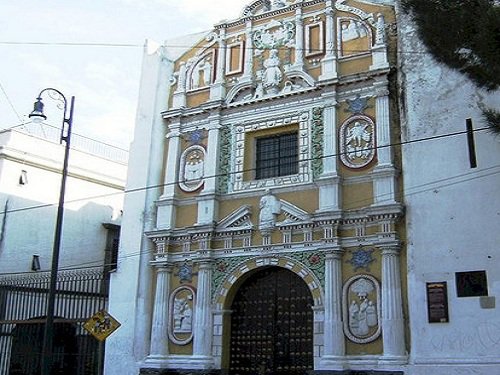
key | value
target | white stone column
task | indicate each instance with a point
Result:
(207, 200)
(248, 65)
(166, 203)
(329, 62)
(299, 40)
(384, 174)
(203, 326)
(217, 90)
(159, 329)
(383, 123)
(392, 305)
(329, 181)
(334, 342)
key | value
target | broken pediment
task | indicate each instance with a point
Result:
(292, 214)
(237, 220)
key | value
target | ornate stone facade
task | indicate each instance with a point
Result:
(293, 100)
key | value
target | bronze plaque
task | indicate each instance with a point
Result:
(437, 302)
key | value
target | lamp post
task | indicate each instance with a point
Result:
(48, 334)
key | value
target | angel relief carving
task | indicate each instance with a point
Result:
(357, 144)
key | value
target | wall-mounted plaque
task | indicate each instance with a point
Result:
(437, 302)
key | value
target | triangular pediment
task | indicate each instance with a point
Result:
(237, 220)
(293, 214)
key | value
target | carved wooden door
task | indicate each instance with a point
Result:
(272, 325)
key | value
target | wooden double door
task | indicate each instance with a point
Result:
(272, 325)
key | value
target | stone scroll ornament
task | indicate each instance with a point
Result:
(361, 305)
(182, 303)
(357, 141)
(192, 169)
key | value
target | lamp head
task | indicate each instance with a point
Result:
(37, 113)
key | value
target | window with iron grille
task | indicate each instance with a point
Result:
(276, 156)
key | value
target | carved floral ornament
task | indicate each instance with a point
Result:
(361, 308)
(182, 304)
(357, 141)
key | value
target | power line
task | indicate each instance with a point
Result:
(157, 186)
(181, 46)
(10, 103)
(417, 189)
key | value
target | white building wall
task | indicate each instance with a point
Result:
(94, 195)
(131, 290)
(453, 212)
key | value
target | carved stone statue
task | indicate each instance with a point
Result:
(207, 73)
(270, 208)
(272, 75)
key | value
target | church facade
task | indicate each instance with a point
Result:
(269, 237)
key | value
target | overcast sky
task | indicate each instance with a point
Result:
(104, 79)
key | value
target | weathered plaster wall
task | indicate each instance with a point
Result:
(452, 211)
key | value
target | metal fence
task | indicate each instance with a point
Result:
(80, 294)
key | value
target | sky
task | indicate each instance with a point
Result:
(41, 46)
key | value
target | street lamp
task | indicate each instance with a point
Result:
(37, 114)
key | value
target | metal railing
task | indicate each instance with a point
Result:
(80, 294)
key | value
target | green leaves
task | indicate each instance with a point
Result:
(463, 34)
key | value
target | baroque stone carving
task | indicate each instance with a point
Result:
(361, 305)
(276, 34)
(270, 208)
(182, 302)
(224, 159)
(272, 75)
(357, 141)
(185, 273)
(317, 141)
(358, 105)
(361, 258)
(191, 172)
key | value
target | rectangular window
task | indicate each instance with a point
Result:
(276, 156)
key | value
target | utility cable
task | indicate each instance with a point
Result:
(417, 189)
(10, 103)
(158, 186)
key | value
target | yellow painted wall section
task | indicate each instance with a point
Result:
(186, 216)
(355, 65)
(357, 196)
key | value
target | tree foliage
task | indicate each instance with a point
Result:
(463, 34)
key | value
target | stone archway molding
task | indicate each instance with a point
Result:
(295, 266)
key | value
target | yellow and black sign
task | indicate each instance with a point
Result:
(101, 325)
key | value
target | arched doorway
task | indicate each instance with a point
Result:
(272, 325)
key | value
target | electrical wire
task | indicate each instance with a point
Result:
(181, 46)
(158, 186)
(10, 103)
(417, 189)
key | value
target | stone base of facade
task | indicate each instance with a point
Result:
(152, 371)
